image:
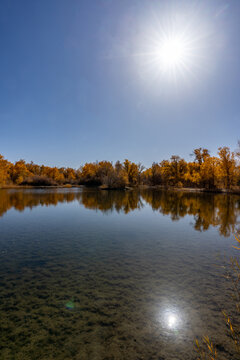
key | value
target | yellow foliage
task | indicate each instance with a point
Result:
(205, 171)
(227, 168)
(4, 170)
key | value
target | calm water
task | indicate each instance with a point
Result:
(87, 274)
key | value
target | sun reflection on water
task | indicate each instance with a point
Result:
(171, 319)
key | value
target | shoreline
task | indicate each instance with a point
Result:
(197, 190)
(127, 188)
(67, 186)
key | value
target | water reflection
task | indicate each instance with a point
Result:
(75, 284)
(171, 319)
(217, 210)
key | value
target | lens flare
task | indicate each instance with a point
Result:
(70, 305)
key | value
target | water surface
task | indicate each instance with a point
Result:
(88, 274)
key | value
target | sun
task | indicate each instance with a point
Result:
(173, 49)
(173, 52)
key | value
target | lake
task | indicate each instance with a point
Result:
(88, 274)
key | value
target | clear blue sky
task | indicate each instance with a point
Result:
(78, 84)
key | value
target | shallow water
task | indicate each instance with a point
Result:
(88, 274)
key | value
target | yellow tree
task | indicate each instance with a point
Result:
(69, 174)
(4, 170)
(105, 170)
(147, 176)
(227, 166)
(200, 155)
(178, 168)
(192, 175)
(156, 174)
(132, 171)
(121, 176)
(209, 172)
(166, 173)
(89, 174)
(20, 172)
(56, 175)
(33, 168)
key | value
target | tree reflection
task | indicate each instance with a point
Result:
(218, 210)
(105, 201)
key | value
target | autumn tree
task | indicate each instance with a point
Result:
(140, 168)
(4, 170)
(20, 172)
(178, 169)
(209, 172)
(166, 174)
(147, 177)
(156, 176)
(33, 168)
(200, 155)
(69, 174)
(192, 175)
(89, 174)
(132, 172)
(121, 176)
(104, 170)
(204, 172)
(227, 166)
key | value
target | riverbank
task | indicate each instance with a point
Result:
(66, 186)
(128, 188)
(172, 188)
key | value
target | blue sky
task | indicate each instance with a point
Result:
(78, 82)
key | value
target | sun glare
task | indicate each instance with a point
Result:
(172, 52)
(173, 48)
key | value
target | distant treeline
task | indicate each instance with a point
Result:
(204, 171)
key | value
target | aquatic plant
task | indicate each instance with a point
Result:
(205, 349)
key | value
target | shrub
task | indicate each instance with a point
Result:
(38, 180)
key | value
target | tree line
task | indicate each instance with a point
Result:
(204, 171)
